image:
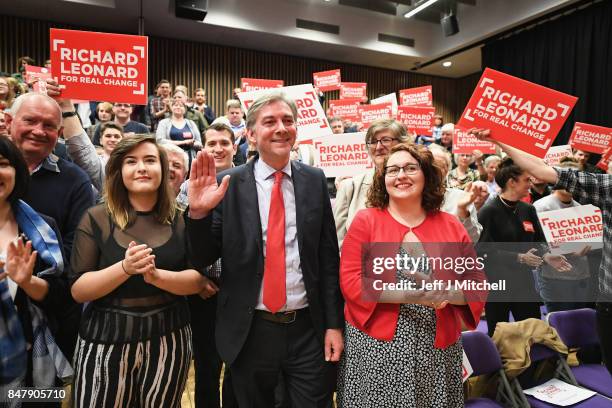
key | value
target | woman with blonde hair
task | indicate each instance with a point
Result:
(7, 93)
(129, 262)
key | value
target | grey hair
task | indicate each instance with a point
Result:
(490, 159)
(456, 158)
(22, 98)
(172, 148)
(259, 103)
(397, 129)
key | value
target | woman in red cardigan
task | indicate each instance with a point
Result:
(402, 346)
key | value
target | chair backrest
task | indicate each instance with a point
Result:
(577, 328)
(539, 352)
(481, 352)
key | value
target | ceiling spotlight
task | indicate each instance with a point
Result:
(447, 64)
(419, 8)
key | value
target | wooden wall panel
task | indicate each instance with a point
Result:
(218, 69)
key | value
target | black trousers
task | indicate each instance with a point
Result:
(290, 349)
(499, 312)
(206, 360)
(604, 327)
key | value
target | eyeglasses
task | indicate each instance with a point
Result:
(122, 105)
(385, 141)
(408, 169)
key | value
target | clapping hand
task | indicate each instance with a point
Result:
(558, 262)
(151, 274)
(437, 298)
(204, 193)
(20, 261)
(530, 258)
(209, 290)
(138, 259)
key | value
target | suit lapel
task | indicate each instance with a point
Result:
(249, 205)
(299, 187)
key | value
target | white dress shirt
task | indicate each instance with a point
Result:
(294, 280)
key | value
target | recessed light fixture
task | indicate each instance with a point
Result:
(447, 64)
(419, 8)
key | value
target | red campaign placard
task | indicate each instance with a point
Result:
(606, 156)
(254, 84)
(417, 119)
(327, 80)
(350, 90)
(100, 66)
(464, 143)
(38, 74)
(421, 96)
(519, 113)
(591, 138)
(33, 72)
(345, 109)
(369, 113)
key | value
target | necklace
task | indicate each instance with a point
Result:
(509, 206)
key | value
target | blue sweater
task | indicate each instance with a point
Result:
(61, 190)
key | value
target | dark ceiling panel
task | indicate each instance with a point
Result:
(381, 6)
(316, 26)
(394, 39)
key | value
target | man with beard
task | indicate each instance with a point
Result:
(200, 104)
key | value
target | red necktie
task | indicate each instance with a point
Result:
(274, 292)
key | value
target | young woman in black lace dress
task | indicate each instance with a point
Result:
(130, 264)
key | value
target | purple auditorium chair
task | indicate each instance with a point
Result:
(539, 353)
(577, 328)
(484, 359)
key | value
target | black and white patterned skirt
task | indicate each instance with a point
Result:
(405, 372)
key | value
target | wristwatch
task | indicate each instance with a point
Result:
(68, 114)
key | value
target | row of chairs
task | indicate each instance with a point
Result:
(577, 329)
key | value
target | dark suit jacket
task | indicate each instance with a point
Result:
(233, 232)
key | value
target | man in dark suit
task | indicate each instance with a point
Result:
(279, 303)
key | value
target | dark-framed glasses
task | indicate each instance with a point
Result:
(408, 169)
(385, 141)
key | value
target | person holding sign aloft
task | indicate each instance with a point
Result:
(588, 188)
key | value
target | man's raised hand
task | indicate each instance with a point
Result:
(204, 193)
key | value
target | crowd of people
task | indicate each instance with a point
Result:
(137, 239)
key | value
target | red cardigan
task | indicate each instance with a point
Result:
(379, 320)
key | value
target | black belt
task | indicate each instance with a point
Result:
(281, 317)
(155, 300)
